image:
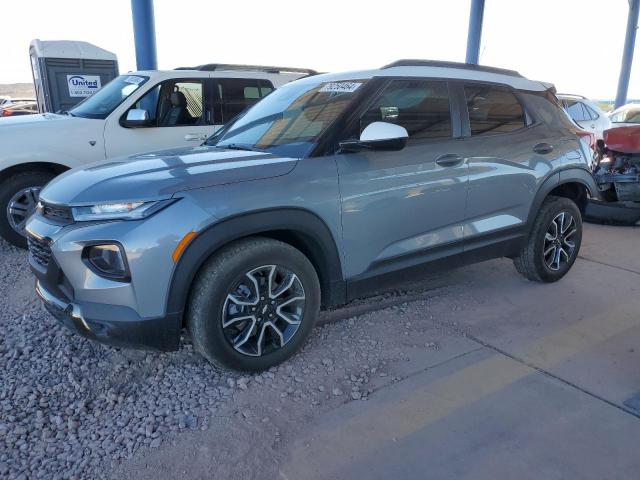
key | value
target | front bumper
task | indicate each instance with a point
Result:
(114, 325)
(131, 313)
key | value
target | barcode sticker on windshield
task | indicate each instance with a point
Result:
(132, 79)
(342, 87)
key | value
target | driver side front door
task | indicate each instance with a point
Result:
(180, 114)
(404, 208)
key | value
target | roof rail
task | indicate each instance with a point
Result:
(210, 67)
(444, 64)
(571, 95)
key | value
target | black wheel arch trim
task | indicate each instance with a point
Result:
(303, 224)
(556, 179)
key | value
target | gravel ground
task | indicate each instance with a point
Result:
(70, 408)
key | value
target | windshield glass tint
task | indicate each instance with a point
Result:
(105, 100)
(290, 121)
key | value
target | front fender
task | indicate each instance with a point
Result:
(25, 158)
(309, 230)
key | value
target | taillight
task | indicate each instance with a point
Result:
(7, 113)
(588, 136)
(588, 143)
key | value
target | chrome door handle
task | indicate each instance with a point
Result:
(543, 148)
(190, 137)
(449, 160)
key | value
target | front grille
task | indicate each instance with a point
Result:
(39, 250)
(57, 213)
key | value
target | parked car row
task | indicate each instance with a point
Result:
(325, 189)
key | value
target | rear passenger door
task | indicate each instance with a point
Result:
(500, 147)
(403, 208)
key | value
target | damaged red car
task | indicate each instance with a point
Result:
(616, 170)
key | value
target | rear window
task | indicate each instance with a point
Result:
(493, 109)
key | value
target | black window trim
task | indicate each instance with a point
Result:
(529, 120)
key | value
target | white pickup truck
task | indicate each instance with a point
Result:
(134, 113)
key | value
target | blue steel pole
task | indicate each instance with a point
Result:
(475, 31)
(144, 34)
(627, 55)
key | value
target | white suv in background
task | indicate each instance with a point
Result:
(585, 113)
(134, 113)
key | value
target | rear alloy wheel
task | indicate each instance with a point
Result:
(253, 304)
(18, 199)
(559, 241)
(553, 243)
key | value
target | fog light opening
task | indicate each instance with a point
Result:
(107, 260)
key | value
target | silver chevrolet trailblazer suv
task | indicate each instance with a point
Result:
(329, 188)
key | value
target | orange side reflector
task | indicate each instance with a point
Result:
(182, 245)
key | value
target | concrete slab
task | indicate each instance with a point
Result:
(616, 246)
(585, 328)
(481, 416)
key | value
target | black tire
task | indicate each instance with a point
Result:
(207, 302)
(531, 261)
(8, 188)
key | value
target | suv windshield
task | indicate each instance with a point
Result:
(291, 120)
(105, 100)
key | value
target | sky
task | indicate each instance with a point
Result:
(575, 44)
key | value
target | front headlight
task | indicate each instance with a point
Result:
(118, 211)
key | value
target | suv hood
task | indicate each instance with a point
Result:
(36, 120)
(161, 174)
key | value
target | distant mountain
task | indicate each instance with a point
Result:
(17, 90)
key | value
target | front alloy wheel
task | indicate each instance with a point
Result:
(263, 310)
(19, 193)
(253, 304)
(21, 206)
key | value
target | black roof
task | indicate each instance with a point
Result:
(443, 64)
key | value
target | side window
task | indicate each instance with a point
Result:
(234, 95)
(420, 106)
(149, 102)
(576, 111)
(493, 109)
(174, 103)
(591, 112)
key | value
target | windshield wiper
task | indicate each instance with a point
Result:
(66, 112)
(237, 146)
